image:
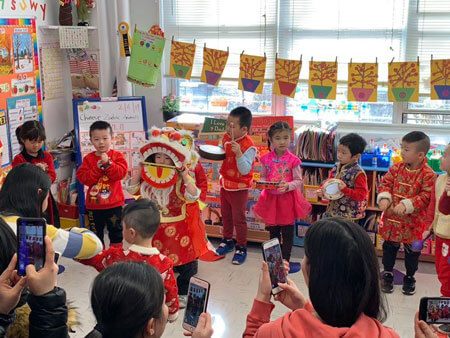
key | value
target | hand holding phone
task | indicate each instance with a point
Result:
(274, 259)
(30, 243)
(435, 310)
(197, 303)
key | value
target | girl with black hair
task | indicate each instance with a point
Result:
(25, 193)
(31, 137)
(128, 302)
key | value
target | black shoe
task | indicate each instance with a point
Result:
(387, 283)
(409, 285)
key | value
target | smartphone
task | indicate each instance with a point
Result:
(197, 302)
(435, 310)
(30, 243)
(274, 259)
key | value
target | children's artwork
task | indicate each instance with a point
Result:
(121, 140)
(181, 59)
(23, 53)
(4, 139)
(322, 80)
(251, 73)
(84, 72)
(440, 79)
(52, 72)
(137, 139)
(73, 37)
(214, 62)
(6, 60)
(136, 158)
(145, 60)
(85, 142)
(287, 73)
(362, 82)
(403, 82)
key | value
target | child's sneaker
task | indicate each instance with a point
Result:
(182, 299)
(387, 283)
(409, 285)
(225, 247)
(444, 328)
(240, 255)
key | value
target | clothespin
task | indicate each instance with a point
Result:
(431, 57)
(417, 59)
(194, 42)
(276, 56)
(351, 61)
(312, 59)
(242, 52)
(172, 38)
(301, 56)
(204, 46)
(335, 60)
(376, 60)
(392, 60)
(264, 55)
(228, 50)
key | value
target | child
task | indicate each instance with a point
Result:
(438, 221)
(403, 196)
(102, 171)
(128, 301)
(354, 187)
(31, 137)
(236, 178)
(279, 208)
(140, 223)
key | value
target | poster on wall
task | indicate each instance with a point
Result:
(6, 153)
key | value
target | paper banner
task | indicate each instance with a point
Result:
(322, 80)
(181, 59)
(145, 60)
(214, 62)
(251, 75)
(362, 82)
(440, 79)
(73, 37)
(52, 72)
(403, 83)
(287, 73)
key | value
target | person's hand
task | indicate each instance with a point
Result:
(104, 158)
(422, 329)
(342, 185)
(425, 234)
(447, 186)
(320, 193)
(11, 286)
(236, 149)
(400, 209)
(283, 187)
(291, 297)
(42, 165)
(384, 204)
(184, 174)
(44, 280)
(265, 285)
(204, 328)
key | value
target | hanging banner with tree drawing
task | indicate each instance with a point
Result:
(287, 73)
(403, 82)
(322, 80)
(251, 73)
(440, 79)
(214, 62)
(362, 82)
(181, 59)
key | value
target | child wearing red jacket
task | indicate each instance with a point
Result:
(31, 137)
(102, 171)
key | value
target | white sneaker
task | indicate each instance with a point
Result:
(183, 301)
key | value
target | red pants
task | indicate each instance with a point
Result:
(233, 205)
(443, 264)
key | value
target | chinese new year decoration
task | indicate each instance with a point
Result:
(440, 79)
(362, 82)
(322, 80)
(287, 73)
(214, 62)
(403, 84)
(251, 75)
(182, 59)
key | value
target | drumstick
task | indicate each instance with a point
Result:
(448, 178)
(160, 165)
(232, 131)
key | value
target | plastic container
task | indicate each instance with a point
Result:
(367, 159)
(384, 160)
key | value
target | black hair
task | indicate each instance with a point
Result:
(244, 115)
(100, 125)
(125, 296)
(143, 216)
(354, 142)
(8, 245)
(19, 194)
(30, 130)
(276, 128)
(422, 139)
(344, 272)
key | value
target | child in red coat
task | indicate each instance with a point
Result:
(31, 137)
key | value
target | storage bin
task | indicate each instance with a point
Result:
(383, 161)
(367, 159)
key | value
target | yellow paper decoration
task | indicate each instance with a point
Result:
(440, 79)
(362, 82)
(287, 73)
(251, 74)
(322, 80)
(403, 84)
(181, 59)
(214, 62)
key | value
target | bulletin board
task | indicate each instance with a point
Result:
(20, 93)
(128, 120)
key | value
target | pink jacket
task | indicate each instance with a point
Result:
(302, 323)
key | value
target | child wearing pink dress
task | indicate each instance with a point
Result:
(279, 208)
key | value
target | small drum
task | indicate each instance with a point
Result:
(266, 185)
(210, 152)
(330, 189)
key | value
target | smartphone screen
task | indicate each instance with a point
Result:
(31, 248)
(197, 302)
(274, 259)
(437, 310)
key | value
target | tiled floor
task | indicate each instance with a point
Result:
(233, 289)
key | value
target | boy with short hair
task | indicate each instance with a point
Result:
(354, 180)
(235, 181)
(403, 196)
(141, 220)
(102, 171)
